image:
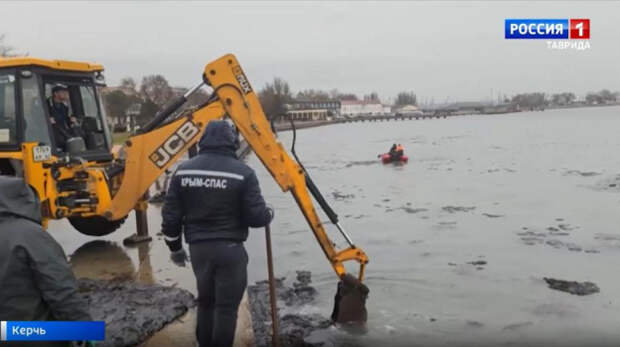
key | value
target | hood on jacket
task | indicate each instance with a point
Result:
(219, 136)
(18, 199)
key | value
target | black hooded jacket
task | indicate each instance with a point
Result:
(36, 282)
(213, 196)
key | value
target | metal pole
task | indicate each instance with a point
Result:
(346, 236)
(275, 338)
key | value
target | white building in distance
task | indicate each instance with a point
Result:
(355, 108)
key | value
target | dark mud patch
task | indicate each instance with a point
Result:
(498, 170)
(477, 262)
(517, 326)
(612, 240)
(552, 236)
(298, 231)
(572, 287)
(132, 312)
(339, 196)
(454, 209)
(407, 209)
(294, 328)
(441, 226)
(362, 163)
(581, 173)
(413, 210)
(489, 215)
(359, 216)
(474, 324)
(609, 184)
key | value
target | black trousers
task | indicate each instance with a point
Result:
(220, 268)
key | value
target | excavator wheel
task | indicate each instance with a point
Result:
(95, 226)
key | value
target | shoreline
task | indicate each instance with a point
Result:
(286, 126)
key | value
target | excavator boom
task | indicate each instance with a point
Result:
(149, 154)
(242, 105)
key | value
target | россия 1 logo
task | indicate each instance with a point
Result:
(558, 29)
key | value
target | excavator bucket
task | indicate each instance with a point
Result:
(350, 302)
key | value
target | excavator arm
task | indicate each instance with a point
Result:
(149, 154)
(240, 102)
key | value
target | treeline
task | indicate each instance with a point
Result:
(6, 50)
(133, 105)
(602, 97)
(534, 101)
(275, 95)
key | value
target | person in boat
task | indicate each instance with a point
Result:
(392, 151)
(399, 152)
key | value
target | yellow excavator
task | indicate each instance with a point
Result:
(96, 185)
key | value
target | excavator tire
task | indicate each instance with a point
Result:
(96, 226)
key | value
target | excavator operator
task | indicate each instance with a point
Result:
(214, 198)
(63, 125)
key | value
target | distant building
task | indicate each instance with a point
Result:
(309, 115)
(409, 110)
(355, 108)
(332, 106)
(501, 108)
(468, 106)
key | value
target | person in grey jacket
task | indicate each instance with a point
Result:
(212, 200)
(36, 282)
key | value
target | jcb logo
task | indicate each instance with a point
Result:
(243, 81)
(173, 145)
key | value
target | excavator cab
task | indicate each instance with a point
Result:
(26, 116)
(88, 135)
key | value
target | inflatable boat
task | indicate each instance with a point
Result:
(386, 158)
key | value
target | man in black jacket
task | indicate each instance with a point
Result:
(214, 198)
(62, 123)
(36, 282)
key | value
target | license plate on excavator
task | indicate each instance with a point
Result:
(42, 153)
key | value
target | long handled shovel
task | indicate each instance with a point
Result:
(275, 338)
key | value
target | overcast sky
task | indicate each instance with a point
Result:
(438, 50)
